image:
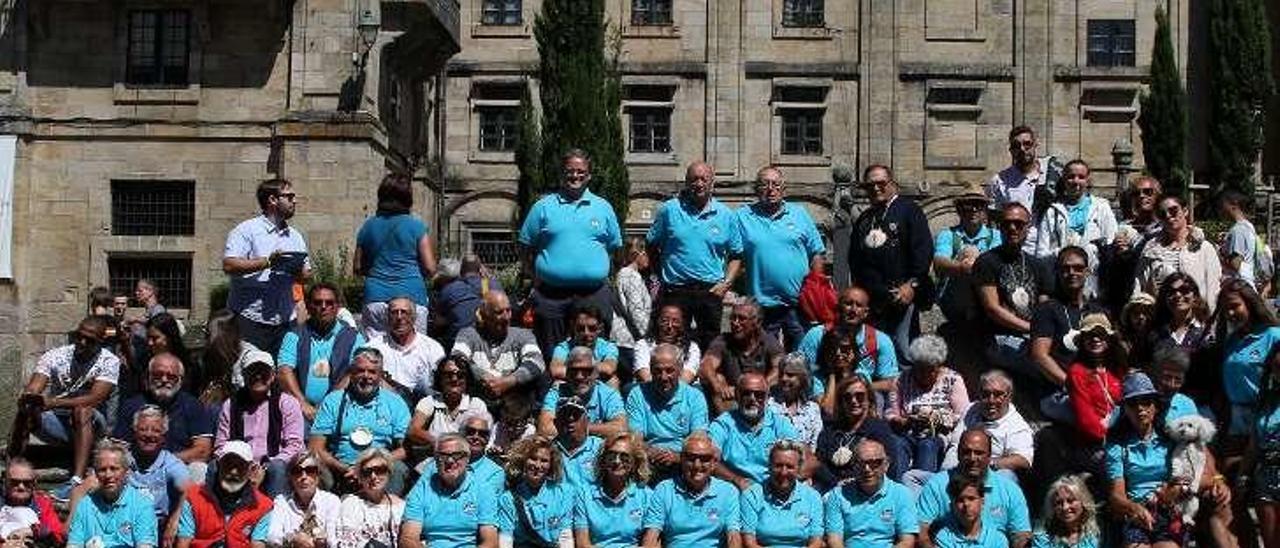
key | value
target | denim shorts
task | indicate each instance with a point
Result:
(55, 425)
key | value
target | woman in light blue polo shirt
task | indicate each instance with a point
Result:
(1251, 331)
(395, 254)
(1137, 466)
(537, 507)
(781, 511)
(609, 513)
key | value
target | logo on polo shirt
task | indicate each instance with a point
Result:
(469, 508)
(997, 511)
(595, 223)
(554, 522)
(126, 529)
(715, 230)
(636, 514)
(713, 514)
(886, 515)
(802, 518)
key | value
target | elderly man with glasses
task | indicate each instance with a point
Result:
(361, 417)
(20, 494)
(189, 439)
(871, 510)
(315, 356)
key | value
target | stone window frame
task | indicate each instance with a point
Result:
(519, 30)
(960, 100)
(183, 300)
(167, 202)
(125, 93)
(630, 29)
(1109, 102)
(780, 105)
(477, 101)
(1094, 28)
(784, 31)
(661, 94)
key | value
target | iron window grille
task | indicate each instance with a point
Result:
(153, 208)
(172, 276)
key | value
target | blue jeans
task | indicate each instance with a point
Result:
(926, 452)
(783, 322)
(899, 453)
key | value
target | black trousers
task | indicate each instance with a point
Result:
(266, 337)
(700, 305)
(552, 307)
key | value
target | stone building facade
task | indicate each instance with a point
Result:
(929, 87)
(137, 130)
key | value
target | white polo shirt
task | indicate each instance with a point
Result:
(413, 365)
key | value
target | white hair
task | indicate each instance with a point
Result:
(928, 350)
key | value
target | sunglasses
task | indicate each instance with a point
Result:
(453, 456)
(1167, 212)
(753, 394)
(873, 464)
(699, 457)
(471, 432)
(618, 456)
(370, 471)
(1073, 268)
(856, 396)
(1147, 191)
(28, 483)
(313, 471)
(1014, 224)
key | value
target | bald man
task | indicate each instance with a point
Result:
(502, 356)
(696, 244)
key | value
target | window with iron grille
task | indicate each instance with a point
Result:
(500, 12)
(650, 12)
(1111, 43)
(802, 131)
(153, 208)
(496, 248)
(650, 129)
(159, 47)
(498, 128)
(802, 13)
(172, 276)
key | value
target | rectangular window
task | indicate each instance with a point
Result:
(500, 12)
(1111, 43)
(159, 47)
(650, 129)
(802, 131)
(498, 128)
(802, 13)
(153, 208)
(495, 248)
(650, 12)
(172, 276)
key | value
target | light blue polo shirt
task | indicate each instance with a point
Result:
(871, 521)
(482, 471)
(688, 520)
(611, 523)
(1005, 507)
(781, 523)
(809, 345)
(314, 387)
(129, 521)
(884, 366)
(448, 519)
(604, 404)
(604, 349)
(162, 481)
(549, 511)
(665, 424)
(572, 239)
(385, 415)
(695, 245)
(776, 251)
(580, 466)
(1041, 539)
(187, 524)
(746, 450)
(1142, 464)
(1243, 363)
(950, 536)
(950, 242)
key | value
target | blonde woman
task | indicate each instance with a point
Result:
(634, 296)
(537, 507)
(307, 515)
(609, 512)
(1070, 516)
(370, 517)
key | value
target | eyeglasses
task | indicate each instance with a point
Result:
(472, 432)
(618, 456)
(699, 457)
(858, 396)
(370, 471)
(994, 394)
(1168, 212)
(873, 464)
(1147, 191)
(18, 482)
(763, 184)
(581, 371)
(753, 394)
(1183, 290)
(1014, 224)
(452, 456)
(323, 303)
(290, 196)
(300, 471)
(1074, 267)
(876, 184)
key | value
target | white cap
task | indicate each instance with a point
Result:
(238, 448)
(250, 357)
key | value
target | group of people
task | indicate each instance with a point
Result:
(616, 406)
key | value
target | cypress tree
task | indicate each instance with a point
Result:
(581, 96)
(530, 186)
(1164, 114)
(1240, 47)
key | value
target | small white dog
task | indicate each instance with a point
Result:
(1192, 435)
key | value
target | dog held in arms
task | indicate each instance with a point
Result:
(1192, 435)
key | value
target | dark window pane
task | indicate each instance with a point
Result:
(172, 276)
(803, 13)
(650, 129)
(159, 47)
(498, 128)
(153, 208)
(802, 131)
(1111, 43)
(500, 12)
(651, 12)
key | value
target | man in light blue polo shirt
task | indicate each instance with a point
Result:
(578, 449)
(605, 410)
(116, 514)
(955, 250)
(443, 508)
(1005, 508)
(695, 242)
(566, 241)
(263, 257)
(873, 510)
(744, 435)
(695, 509)
(665, 411)
(586, 323)
(780, 246)
(482, 470)
(314, 357)
(360, 417)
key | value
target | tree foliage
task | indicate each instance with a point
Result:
(580, 95)
(1164, 114)
(1240, 46)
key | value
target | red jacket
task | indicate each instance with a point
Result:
(213, 527)
(51, 526)
(1093, 394)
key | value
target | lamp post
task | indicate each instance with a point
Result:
(1122, 162)
(842, 179)
(368, 25)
